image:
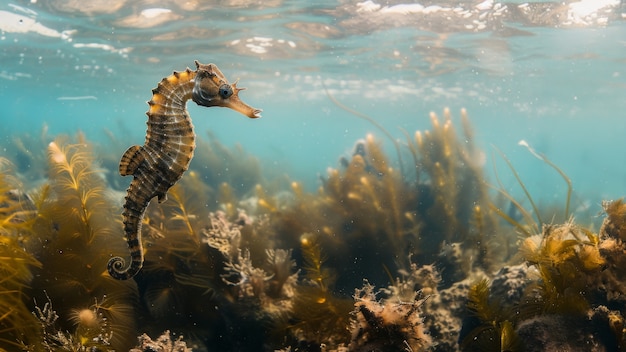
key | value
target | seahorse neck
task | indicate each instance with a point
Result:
(170, 96)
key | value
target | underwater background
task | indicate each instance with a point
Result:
(437, 175)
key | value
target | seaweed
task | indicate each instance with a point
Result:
(92, 332)
(221, 164)
(318, 316)
(448, 169)
(16, 265)
(361, 205)
(179, 274)
(254, 266)
(529, 226)
(75, 221)
(566, 257)
(495, 328)
(27, 153)
(439, 201)
(610, 283)
(574, 286)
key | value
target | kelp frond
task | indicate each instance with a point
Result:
(566, 178)
(535, 226)
(540, 221)
(451, 186)
(70, 164)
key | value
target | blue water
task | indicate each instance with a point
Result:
(557, 82)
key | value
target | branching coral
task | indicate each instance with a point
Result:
(393, 318)
(256, 288)
(213, 269)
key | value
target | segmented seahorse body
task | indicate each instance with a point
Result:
(170, 142)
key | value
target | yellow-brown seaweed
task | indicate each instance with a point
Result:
(74, 225)
(17, 324)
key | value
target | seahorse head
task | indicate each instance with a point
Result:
(211, 88)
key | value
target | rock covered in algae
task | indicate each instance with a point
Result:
(510, 283)
(552, 333)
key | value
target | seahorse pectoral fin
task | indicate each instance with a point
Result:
(132, 158)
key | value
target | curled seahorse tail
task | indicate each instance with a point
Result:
(116, 265)
(134, 209)
(132, 226)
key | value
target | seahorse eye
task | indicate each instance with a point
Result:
(226, 91)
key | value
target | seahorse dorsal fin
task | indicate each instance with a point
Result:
(131, 160)
(162, 197)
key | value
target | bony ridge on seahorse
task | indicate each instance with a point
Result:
(170, 141)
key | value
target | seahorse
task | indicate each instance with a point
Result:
(170, 142)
